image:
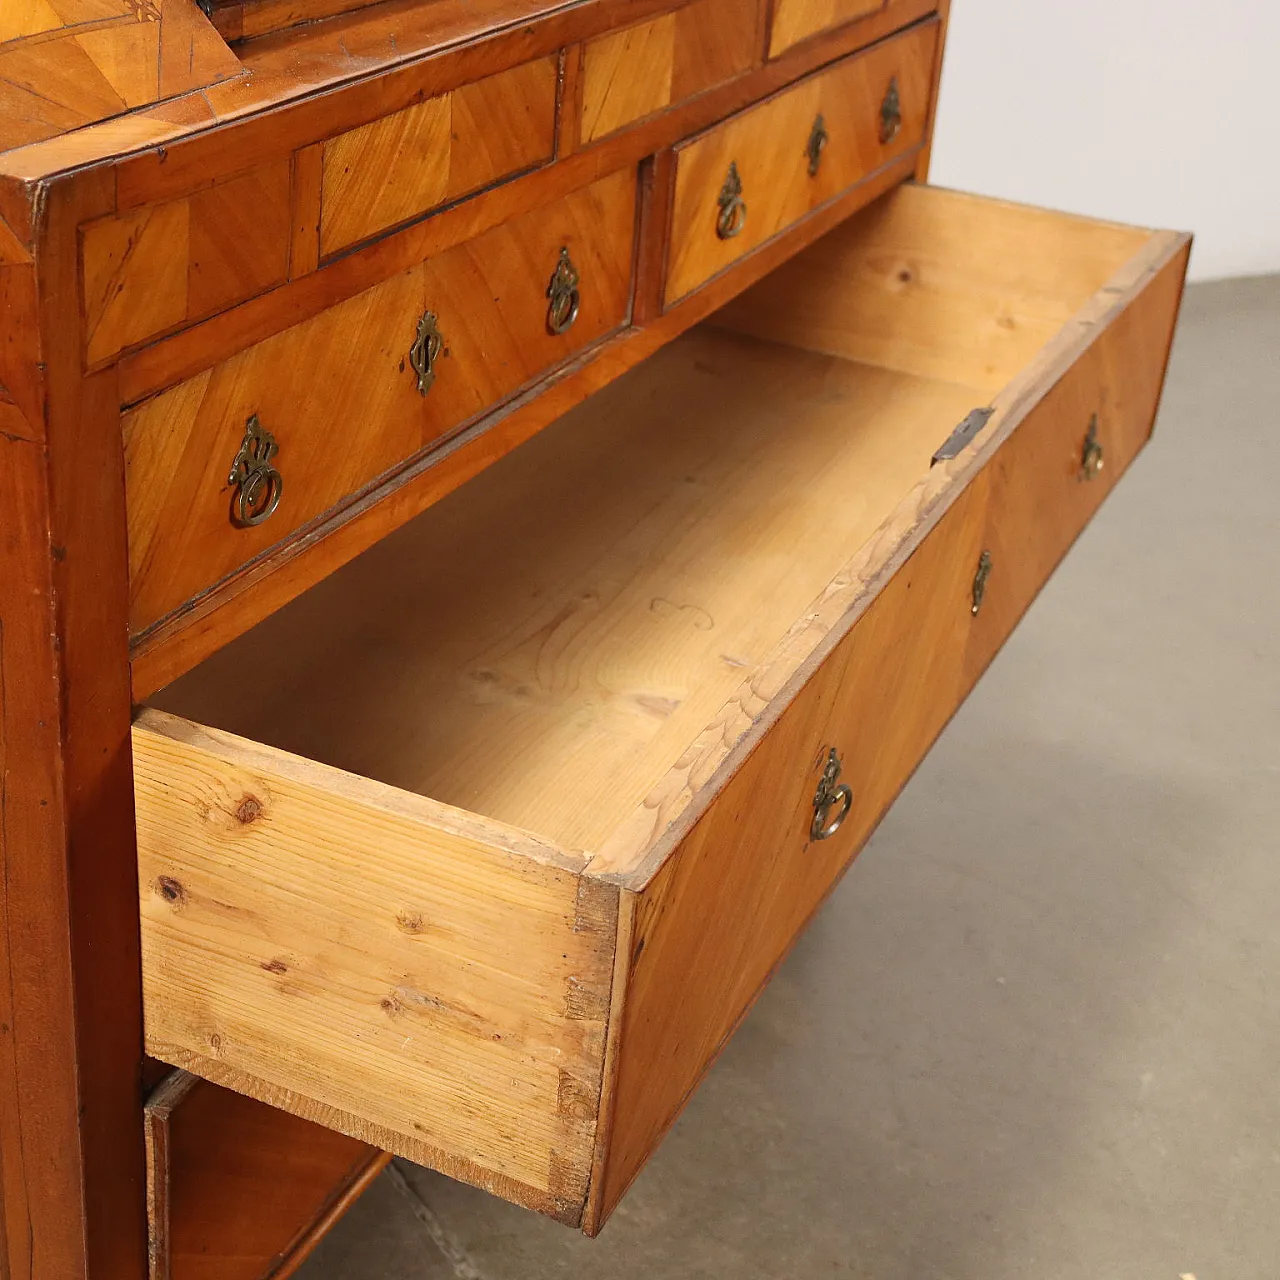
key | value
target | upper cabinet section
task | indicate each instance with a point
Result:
(65, 64)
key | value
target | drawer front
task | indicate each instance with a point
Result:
(404, 165)
(722, 912)
(796, 20)
(747, 180)
(341, 401)
(640, 70)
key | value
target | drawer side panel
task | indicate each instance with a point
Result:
(361, 957)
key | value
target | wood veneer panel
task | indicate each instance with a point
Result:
(339, 397)
(158, 268)
(65, 64)
(403, 165)
(797, 20)
(239, 1190)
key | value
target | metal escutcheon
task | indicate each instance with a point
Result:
(733, 208)
(1092, 458)
(258, 485)
(562, 292)
(818, 139)
(890, 113)
(832, 794)
(980, 581)
(425, 351)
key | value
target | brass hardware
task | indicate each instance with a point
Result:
(956, 441)
(890, 114)
(980, 581)
(733, 208)
(1092, 458)
(563, 293)
(818, 139)
(831, 794)
(426, 351)
(258, 485)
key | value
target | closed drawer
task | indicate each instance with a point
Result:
(339, 399)
(631, 74)
(797, 20)
(480, 850)
(745, 181)
(403, 165)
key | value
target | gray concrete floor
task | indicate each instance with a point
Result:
(1036, 1031)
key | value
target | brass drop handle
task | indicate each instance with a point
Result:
(890, 113)
(980, 582)
(818, 139)
(564, 300)
(258, 486)
(733, 208)
(426, 350)
(832, 794)
(1092, 458)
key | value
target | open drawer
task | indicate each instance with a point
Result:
(497, 833)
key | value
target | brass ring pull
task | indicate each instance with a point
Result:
(831, 794)
(258, 485)
(425, 351)
(1092, 458)
(818, 139)
(980, 581)
(562, 310)
(890, 114)
(733, 208)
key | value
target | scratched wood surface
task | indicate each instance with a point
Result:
(768, 149)
(338, 395)
(65, 64)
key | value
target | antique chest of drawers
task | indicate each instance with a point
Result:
(502, 496)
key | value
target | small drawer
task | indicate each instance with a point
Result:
(499, 831)
(402, 166)
(745, 181)
(631, 74)
(233, 461)
(797, 20)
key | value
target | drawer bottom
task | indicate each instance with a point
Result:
(502, 828)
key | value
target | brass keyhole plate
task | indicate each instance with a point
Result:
(818, 139)
(890, 113)
(425, 351)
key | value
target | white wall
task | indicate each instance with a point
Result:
(1158, 112)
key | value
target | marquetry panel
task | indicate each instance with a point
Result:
(337, 392)
(153, 269)
(406, 164)
(68, 63)
(630, 74)
(796, 20)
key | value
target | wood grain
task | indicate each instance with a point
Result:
(155, 269)
(266, 584)
(430, 981)
(899, 284)
(767, 146)
(240, 1190)
(340, 399)
(797, 20)
(65, 64)
(403, 165)
(573, 636)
